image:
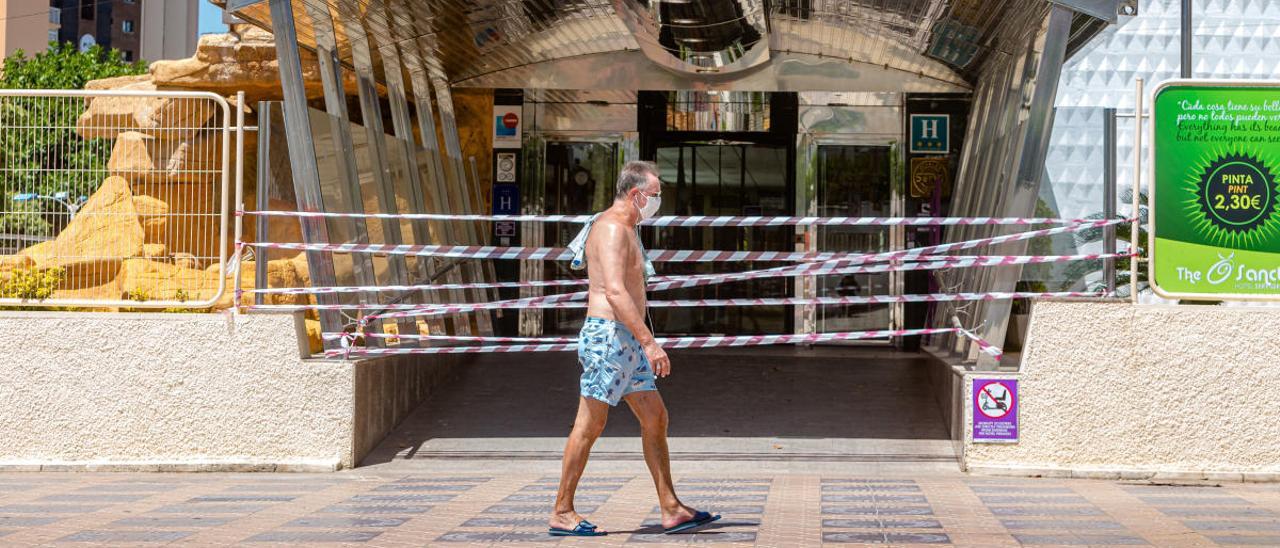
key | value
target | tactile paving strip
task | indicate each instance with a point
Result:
(878, 511)
(522, 515)
(361, 518)
(1041, 514)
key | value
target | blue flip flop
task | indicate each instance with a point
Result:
(584, 529)
(698, 520)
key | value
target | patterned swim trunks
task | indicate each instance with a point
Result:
(613, 364)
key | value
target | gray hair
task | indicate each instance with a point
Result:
(633, 175)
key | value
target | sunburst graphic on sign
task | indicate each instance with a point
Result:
(1232, 196)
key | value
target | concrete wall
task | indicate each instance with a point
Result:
(153, 391)
(188, 391)
(947, 382)
(1116, 390)
(388, 389)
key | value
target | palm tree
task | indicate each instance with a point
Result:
(1090, 274)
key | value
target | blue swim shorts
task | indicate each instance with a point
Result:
(613, 364)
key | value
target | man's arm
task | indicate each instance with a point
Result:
(614, 251)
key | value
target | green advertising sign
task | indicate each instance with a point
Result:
(1215, 224)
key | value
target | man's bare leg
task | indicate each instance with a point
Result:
(592, 414)
(652, 414)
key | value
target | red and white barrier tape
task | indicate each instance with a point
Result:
(441, 309)
(831, 268)
(983, 346)
(419, 287)
(557, 253)
(547, 301)
(849, 260)
(677, 342)
(692, 220)
(709, 279)
(350, 336)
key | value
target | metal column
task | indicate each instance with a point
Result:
(416, 57)
(468, 199)
(335, 100)
(1185, 39)
(302, 159)
(1109, 196)
(397, 100)
(263, 200)
(371, 116)
(1025, 188)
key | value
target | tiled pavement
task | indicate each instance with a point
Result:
(778, 509)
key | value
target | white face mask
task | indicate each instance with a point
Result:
(651, 205)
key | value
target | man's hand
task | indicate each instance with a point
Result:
(658, 359)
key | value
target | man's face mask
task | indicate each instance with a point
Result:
(651, 205)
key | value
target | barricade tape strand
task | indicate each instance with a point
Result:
(560, 253)
(656, 255)
(692, 220)
(676, 342)
(805, 270)
(983, 346)
(904, 254)
(574, 300)
(874, 299)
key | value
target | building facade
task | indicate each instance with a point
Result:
(141, 29)
(26, 25)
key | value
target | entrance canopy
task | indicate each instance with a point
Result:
(788, 45)
(856, 64)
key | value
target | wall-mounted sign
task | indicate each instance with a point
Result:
(995, 410)
(505, 167)
(930, 133)
(506, 126)
(1215, 199)
(504, 229)
(506, 200)
(927, 175)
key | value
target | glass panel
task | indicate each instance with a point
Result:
(331, 183)
(714, 179)
(369, 198)
(579, 180)
(400, 182)
(854, 181)
(718, 111)
(1073, 187)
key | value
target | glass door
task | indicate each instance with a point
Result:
(723, 178)
(580, 178)
(856, 181)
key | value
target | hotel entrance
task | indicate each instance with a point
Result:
(729, 154)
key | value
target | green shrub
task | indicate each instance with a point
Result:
(31, 284)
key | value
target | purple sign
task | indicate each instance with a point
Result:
(995, 410)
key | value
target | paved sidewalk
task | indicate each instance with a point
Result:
(395, 508)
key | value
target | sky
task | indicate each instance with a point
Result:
(210, 18)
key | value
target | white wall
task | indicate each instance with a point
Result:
(186, 391)
(1115, 390)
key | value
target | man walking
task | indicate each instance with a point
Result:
(618, 353)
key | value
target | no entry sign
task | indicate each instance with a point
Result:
(995, 410)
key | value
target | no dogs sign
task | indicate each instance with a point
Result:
(995, 410)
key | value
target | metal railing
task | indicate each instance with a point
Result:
(115, 198)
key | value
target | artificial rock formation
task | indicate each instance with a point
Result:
(242, 60)
(151, 230)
